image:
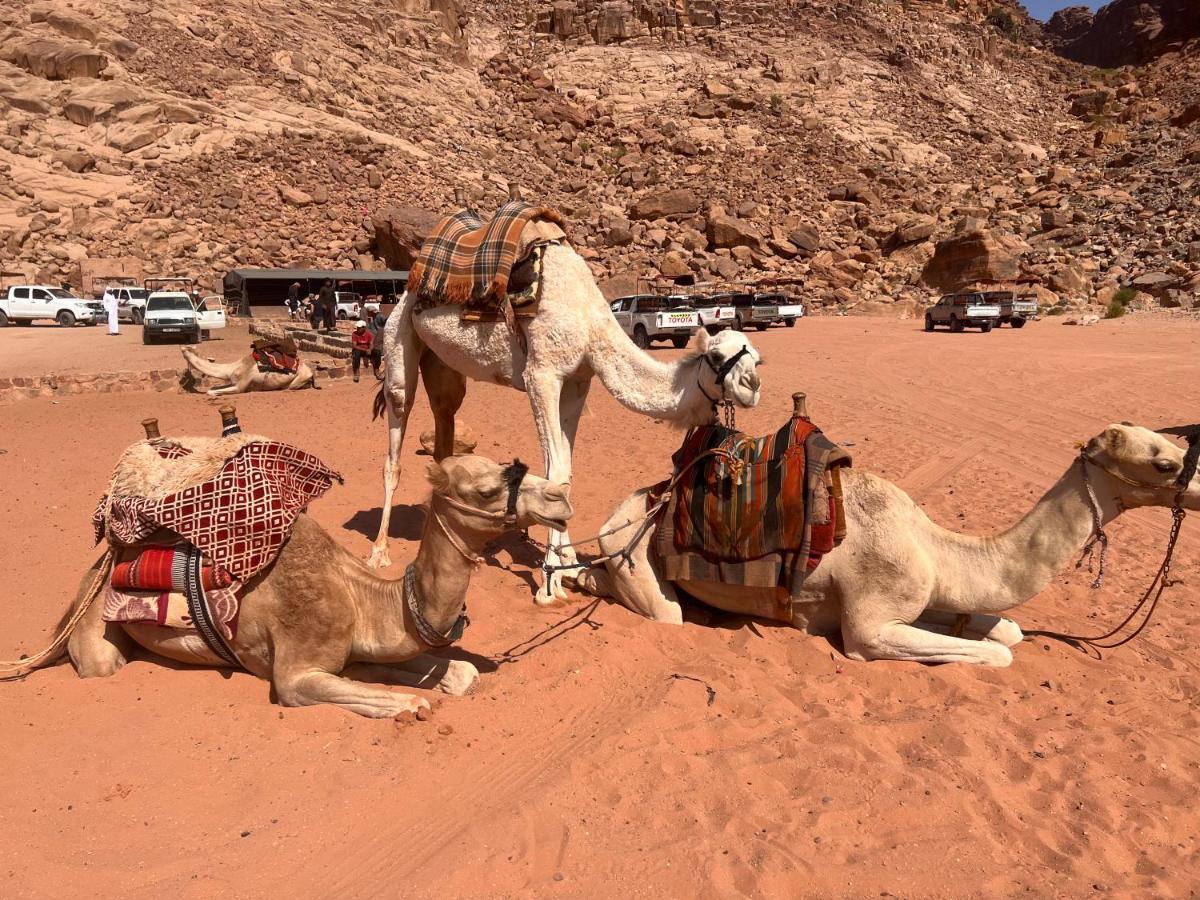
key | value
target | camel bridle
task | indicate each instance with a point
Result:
(514, 474)
(1158, 584)
(721, 372)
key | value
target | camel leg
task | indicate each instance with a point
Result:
(898, 640)
(571, 403)
(446, 389)
(990, 628)
(545, 392)
(97, 648)
(400, 388)
(313, 687)
(450, 676)
(633, 581)
(241, 385)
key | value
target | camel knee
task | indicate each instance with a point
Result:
(591, 581)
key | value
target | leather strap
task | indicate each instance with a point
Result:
(427, 633)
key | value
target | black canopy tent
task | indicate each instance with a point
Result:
(245, 288)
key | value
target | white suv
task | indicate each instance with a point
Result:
(131, 302)
(170, 314)
(25, 302)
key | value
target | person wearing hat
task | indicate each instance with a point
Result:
(362, 343)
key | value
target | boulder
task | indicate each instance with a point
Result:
(55, 59)
(130, 136)
(730, 231)
(1187, 116)
(806, 238)
(913, 229)
(676, 202)
(1155, 283)
(971, 254)
(76, 160)
(673, 265)
(399, 233)
(619, 233)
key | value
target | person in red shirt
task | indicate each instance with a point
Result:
(362, 343)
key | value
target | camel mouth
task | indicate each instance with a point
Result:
(549, 522)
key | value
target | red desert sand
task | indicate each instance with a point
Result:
(590, 760)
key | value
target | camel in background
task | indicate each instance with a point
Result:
(573, 337)
(898, 584)
(243, 376)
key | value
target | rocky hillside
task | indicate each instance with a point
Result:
(1125, 32)
(868, 153)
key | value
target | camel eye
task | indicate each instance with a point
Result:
(1165, 465)
(491, 492)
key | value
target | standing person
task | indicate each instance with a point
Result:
(376, 321)
(110, 307)
(293, 300)
(362, 344)
(327, 302)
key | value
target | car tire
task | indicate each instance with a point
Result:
(193, 338)
(341, 314)
(205, 334)
(760, 327)
(956, 323)
(65, 319)
(137, 316)
(1018, 323)
(146, 336)
(679, 342)
(3, 319)
(928, 322)
(640, 338)
(985, 327)
(790, 323)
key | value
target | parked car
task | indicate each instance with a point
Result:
(789, 309)
(25, 302)
(749, 313)
(211, 312)
(348, 304)
(1014, 311)
(171, 314)
(961, 311)
(131, 302)
(648, 317)
(715, 314)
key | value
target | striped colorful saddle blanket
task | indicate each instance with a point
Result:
(469, 262)
(754, 512)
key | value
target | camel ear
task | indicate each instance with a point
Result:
(700, 340)
(438, 477)
(1111, 441)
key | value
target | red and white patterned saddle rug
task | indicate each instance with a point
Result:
(176, 587)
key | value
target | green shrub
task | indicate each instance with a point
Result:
(1002, 21)
(954, 5)
(1115, 310)
(1124, 296)
(1056, 311)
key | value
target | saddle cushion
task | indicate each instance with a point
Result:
(754, 512)
(469, 262)
(274, 359)
(158, 568)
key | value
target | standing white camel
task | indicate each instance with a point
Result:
(573, 337)
(897, 574)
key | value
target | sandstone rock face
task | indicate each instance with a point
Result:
(56, 60)
(1124, 32)
(730, 231)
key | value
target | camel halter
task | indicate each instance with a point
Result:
(1161, 579)
(514, 475)
(722, 374)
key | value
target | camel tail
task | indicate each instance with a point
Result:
(380, 404)
(90, 589)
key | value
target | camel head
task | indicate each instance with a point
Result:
(1144, 466)
(741, 383)
(480, 484)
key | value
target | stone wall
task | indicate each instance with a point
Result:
(29, 387)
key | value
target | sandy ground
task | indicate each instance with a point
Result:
(580, 766)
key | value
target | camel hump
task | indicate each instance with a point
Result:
(540, 230)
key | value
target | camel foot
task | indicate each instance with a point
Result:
(551, 589)
(591, 581)
(459, 678)
(1006, 632)
(379, 558)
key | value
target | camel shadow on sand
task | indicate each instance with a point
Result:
(407, 522)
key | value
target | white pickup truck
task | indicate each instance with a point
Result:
(715, 315)
(789, 309)
(648, 317)
(23, 303)
(131, 302)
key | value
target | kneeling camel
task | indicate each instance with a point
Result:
(897, 584)
(318, 614)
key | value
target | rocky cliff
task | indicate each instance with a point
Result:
(1125, 32)
(866, 152)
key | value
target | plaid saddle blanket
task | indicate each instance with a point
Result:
(474, 263)
(175, 586)
(272, 355)
(758, 512)
(238, 519)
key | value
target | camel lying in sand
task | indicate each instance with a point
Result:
(318, 613)
(243, 376)
(898, 583)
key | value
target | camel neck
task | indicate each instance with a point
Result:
(443, 572)
(1006, 570)
(641, 383)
